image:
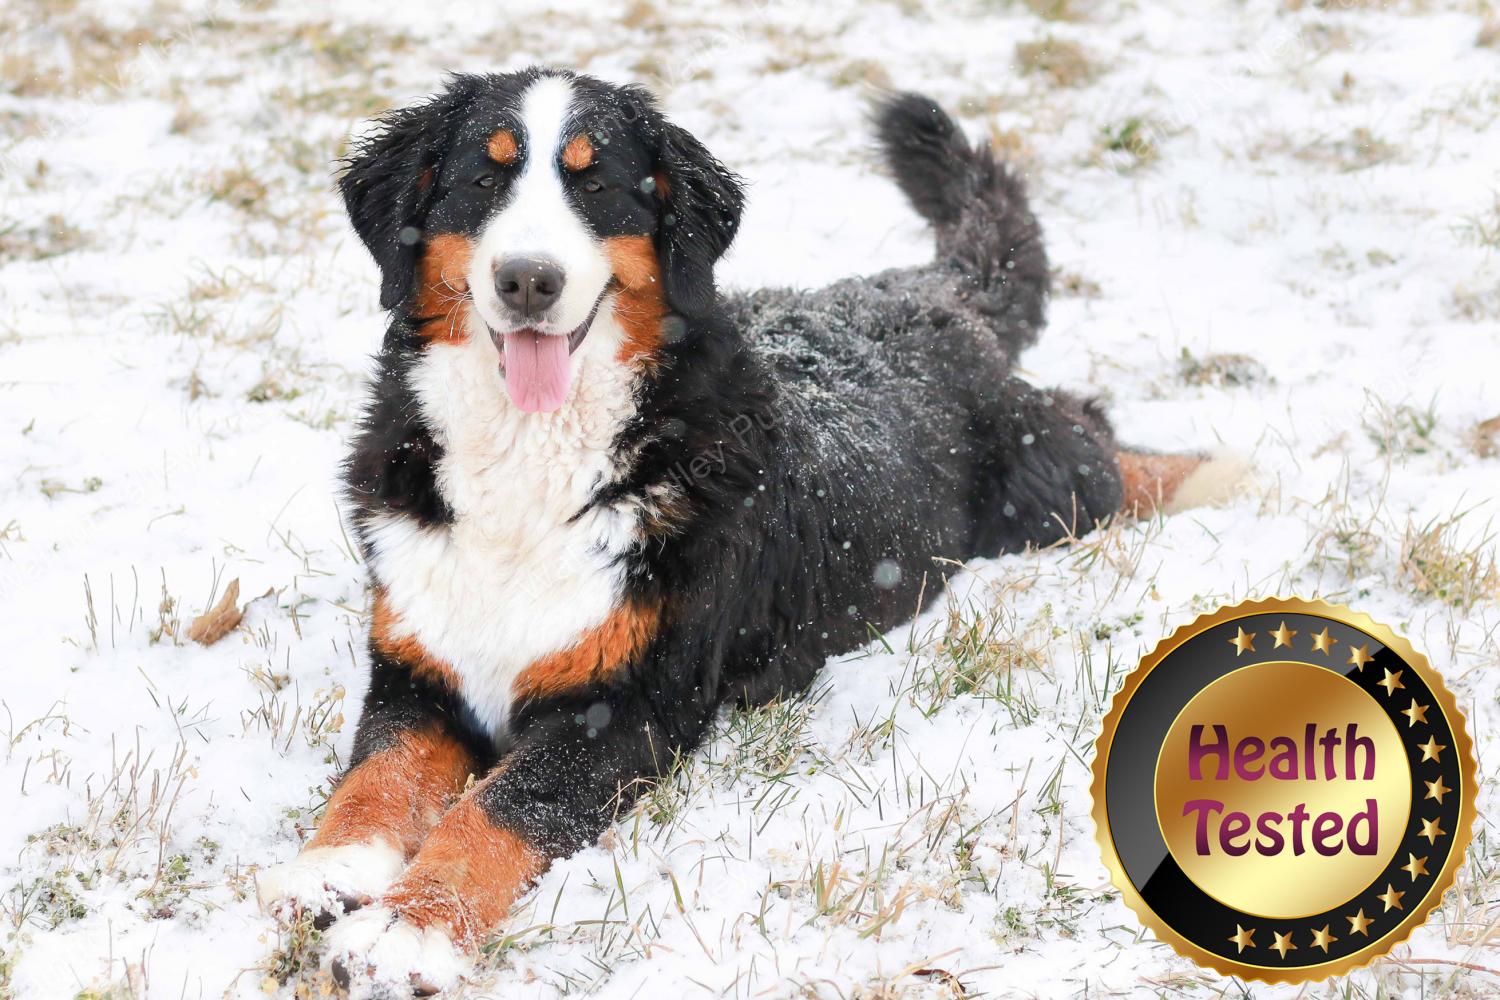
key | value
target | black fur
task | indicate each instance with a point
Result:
(977, 205)
(700, 216)
(391, 467)
(385, 189)
(821, 451)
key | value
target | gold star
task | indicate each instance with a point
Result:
(1391, 682)
(1283, 636)
(1283, 943)
(1391, 898)
(1432, 831)
(1415, 866)
(1323, 642)
(1243, 641)
(1322, 939)
(1359, 923)
(1436, 789)
(1432, 749)
(1415, 714)
(1359, 657)
(1243, 938)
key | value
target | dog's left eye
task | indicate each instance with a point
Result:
(485, 180)
(593, 186)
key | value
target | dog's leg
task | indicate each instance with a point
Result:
(550, 796)
(1172, 483)
(1055, 471)
(408, 765)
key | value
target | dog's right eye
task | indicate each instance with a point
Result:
(485, 180)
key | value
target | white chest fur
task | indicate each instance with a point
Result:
(513, 578)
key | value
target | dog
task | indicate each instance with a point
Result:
(599, 500)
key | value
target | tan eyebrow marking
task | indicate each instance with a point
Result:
(502, 147)
(578, 153)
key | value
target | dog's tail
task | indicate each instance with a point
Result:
(978, 207)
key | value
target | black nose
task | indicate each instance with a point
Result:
(529, 285)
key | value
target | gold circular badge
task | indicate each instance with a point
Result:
(1283, 790)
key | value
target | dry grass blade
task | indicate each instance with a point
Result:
(1457, 568)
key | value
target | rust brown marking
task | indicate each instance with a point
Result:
(502, 147)
(640, 305)
(662, 189)
(578, 153)
(396, 795)
(602, 650)
(1150, 481)
(467, 874)
(443, 287)
(407, 649)
(425, 179)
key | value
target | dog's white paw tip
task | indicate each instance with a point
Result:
(328, 880)
(1217, 480)
(373, 950)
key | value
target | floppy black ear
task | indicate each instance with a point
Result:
(700, 214)
(389, 183)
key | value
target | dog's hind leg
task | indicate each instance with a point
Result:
(1052, 472)
(1170, 483)
(1057, 472)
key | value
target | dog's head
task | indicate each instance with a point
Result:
(536, 199)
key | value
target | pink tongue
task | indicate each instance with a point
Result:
(537, 373)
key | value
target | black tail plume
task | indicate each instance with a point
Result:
(978, 208)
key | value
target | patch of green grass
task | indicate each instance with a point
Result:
(1127, 145)
(982, 651)
(1353, 534)
(1013, 924)
(48, 900)
(1402, 429)
(54, 488)
(1126, 623)
(293, 959)
(163, 898)
(272, 388)
(1443, 561)
(771, 741)
(1221, 369)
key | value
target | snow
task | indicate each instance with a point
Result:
(182, 351)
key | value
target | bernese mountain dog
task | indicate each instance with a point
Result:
(599, 500)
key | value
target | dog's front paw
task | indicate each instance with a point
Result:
(377, 952)
(328, 881)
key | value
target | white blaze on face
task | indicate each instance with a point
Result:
(538, 221)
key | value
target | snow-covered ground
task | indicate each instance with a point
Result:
(1276, 226)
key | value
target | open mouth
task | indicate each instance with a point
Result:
(537, 367)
